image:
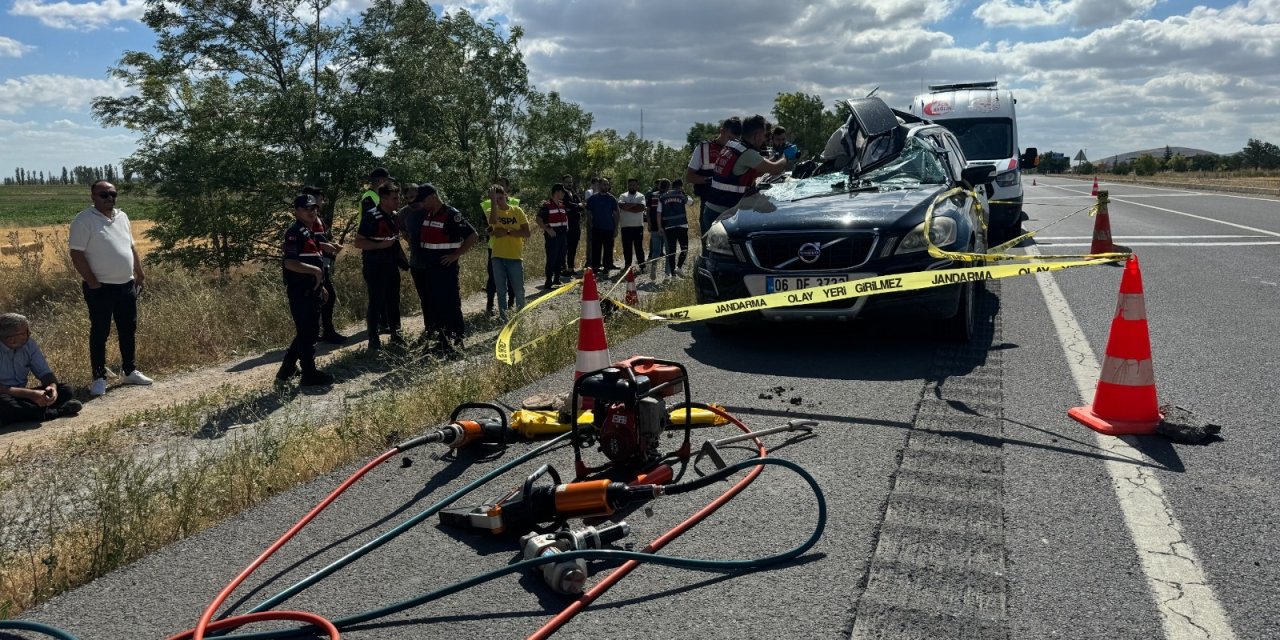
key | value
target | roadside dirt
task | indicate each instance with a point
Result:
(256, 372)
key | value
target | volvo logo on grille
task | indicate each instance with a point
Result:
(809, 252)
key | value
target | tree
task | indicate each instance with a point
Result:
(554, 140)
(1145, 165)
(1204, 162)
(1168, 153)
(241, 103)
(803, 117)
(1260, 155)
(460, 92)
(1178, 163)
(702, 131)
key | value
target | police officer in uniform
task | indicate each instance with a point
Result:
(438, 236)
(304, 276)
(329, 250)
(553, 217)
(379, 240)
(739, 164)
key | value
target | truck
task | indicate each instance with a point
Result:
(982, 117)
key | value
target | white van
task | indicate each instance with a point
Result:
(983, 119)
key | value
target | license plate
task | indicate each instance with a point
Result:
(775, 284)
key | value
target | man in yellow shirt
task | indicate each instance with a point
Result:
(508, 227)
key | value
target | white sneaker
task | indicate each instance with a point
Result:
(136, 377)
(99, 387)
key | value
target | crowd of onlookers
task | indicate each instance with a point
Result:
(395, 217)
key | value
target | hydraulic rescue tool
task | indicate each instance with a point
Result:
(630, 415)
(527, 507)
(710, 448)
(487, 431)
(569, 576)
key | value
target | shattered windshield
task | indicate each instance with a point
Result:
(917, 164)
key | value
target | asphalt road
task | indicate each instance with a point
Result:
(964, 503)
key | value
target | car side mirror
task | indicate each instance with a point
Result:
(974, 176)
(1029, 158)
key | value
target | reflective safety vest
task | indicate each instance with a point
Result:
(557, 215)
(727, 189)
(433, 234)
(708, 152)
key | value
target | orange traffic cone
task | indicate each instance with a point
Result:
(633, 296)
(1125, 402)
(1102, 226)
(1095, 186)
(593, 350)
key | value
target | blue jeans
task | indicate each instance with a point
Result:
(508, 271)
(656, 244)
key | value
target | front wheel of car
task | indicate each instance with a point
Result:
(960, 327)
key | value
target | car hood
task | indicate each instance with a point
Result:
(897, 209)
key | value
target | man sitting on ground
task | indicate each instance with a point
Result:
(19, 358)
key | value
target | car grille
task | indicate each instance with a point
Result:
(840, 251)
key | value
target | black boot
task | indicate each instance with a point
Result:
(288, 368)
(312, 377)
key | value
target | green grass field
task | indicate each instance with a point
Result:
(35, 205)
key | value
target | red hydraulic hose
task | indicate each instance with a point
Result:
(590, 596)
(262, 616)
(204, 626)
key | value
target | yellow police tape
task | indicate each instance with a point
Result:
(896, 283)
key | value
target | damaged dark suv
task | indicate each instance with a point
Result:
(858, 215)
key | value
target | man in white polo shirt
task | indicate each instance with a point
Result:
(103, 253)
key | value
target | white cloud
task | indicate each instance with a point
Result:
(1078, 13)
(84, 16)
(10, 48)
(32, 93)
(41, 147)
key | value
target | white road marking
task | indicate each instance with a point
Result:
(1192, 215)
(1186, 602)
(1216, 194)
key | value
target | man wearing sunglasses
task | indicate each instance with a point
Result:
(103, 254)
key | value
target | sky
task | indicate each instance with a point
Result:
(1104, 76)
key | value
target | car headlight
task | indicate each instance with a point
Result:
(942, 232)
(718, 240)
(1007, 179)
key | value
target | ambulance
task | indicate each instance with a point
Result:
(982, 118)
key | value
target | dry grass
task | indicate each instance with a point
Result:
(106, 497)
(189, 319)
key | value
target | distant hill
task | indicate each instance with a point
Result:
(1158, 152)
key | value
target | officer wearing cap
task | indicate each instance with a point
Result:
(304, 285)
(438, 236)
(379, 241)
(329, 250)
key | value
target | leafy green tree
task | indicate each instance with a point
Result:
(1084, 168)
(1122, 168)
(1168, 153)
(554, 140)
(1178, 163)
(455, 93)
(802, 115)
(1204, 162)
(702, 131)
(265, 97)
(1261, 155)
(1145, 165)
